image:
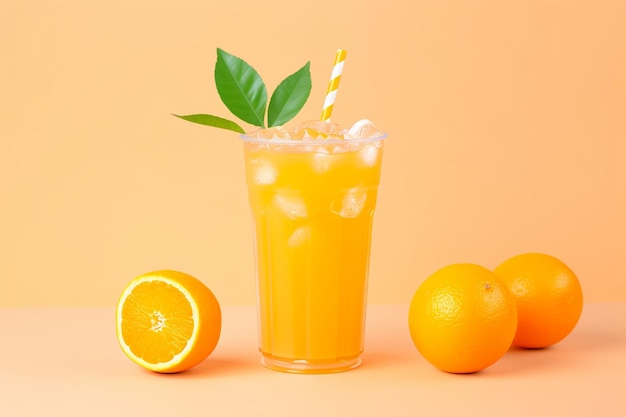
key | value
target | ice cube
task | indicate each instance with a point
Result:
(350, 204)
(318, 130)
(277, 132)
(363, 129)
(369, 154)
(263, 171)
(299, 236)
(292, 206)
(321, 160)
(344, 147)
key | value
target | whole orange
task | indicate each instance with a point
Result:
(548, 295)
(462, 318)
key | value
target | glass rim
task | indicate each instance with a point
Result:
(310, 142)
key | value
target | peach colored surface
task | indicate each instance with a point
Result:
(72, 366)
(506, 122)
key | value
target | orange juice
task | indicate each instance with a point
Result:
(312, 203)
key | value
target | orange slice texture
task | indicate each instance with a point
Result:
(168, 321)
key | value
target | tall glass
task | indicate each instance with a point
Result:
(312, 204)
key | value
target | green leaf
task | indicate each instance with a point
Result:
(289, 97)
(209, 120)
(241, 88)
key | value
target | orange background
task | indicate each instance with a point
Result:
(506, 122)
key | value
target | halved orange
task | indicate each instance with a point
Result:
(167, 321)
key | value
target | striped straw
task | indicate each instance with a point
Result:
(331, 93)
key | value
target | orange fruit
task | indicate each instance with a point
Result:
(167, 321)
(548, 295)
(462, 318)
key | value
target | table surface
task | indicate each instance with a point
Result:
(66, 362)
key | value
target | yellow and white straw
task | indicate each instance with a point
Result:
(335, 77)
